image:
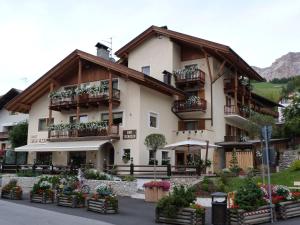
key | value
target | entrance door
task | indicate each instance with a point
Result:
(77, 159)
(179, 158)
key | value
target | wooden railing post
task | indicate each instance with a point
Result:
(131, 167)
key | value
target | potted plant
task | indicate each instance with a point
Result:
(103, 201)
(179, 208)
(70, 193)
(126, 157)
(12, 190)
(42, 191)
(155, 190)
(250, 205)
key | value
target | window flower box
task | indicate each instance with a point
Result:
(44, 197)
(288, 209)
(106, 205)
(73, 201)
(155, 190)
(183, 216)
(258, 216)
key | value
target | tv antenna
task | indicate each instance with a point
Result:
(110, 46)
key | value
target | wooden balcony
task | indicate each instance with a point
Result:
(195, 77)
(229, 138)
(85, 134)
(233, 110)
(242, 90)
(3, 136)
(186, 106)
(268, 111)
(85, 100)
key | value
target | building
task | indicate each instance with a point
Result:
(164, 82)
(8, 119)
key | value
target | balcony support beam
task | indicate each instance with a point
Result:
(110, 103)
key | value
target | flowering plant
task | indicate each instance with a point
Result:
(104, 190)
(279, 193)
(200, 210)
(165, 185)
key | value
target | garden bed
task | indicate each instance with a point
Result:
(104, 206)
(183, 216)
(288, 209)
(12, 194)
(72, 201)
(44, 198)
(241, 217)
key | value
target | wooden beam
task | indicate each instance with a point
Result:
(235, 89)
(78, 85)
(220, 70)
(110, 103)
(50, 111)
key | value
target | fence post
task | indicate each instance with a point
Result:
(169, 169)
(131, 167)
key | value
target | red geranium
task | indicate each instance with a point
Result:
(165, 185)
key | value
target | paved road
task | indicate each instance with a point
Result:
(132, 212)
(17, 214)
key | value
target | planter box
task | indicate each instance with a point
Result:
(101, 206)
(288, 209)
(183, 216)
(69, 201)
(41, 198)
(12, 194)
(154, 194)
(241, 217)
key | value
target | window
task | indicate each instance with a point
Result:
(146, 70)
(126, 155)
(191, 125)
(82, 119)
(115, 83)
(164, 158)
(167, 77)
(117, 118)
(153, 120)
(152, 157)
(43, 158)
(43, 124)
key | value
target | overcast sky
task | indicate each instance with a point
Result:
(36, 35)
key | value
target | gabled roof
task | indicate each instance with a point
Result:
(212, 48)
(40, 87)
(8, 96)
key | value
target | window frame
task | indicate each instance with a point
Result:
(157, 120)
(47, 124)
(123, 117)
(144, 67)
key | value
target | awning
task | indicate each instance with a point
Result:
(62, 146)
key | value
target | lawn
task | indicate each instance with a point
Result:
(268, 90)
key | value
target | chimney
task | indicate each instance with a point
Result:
(102, 51)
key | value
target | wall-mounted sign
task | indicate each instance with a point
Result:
(129, 134)
(38, 140)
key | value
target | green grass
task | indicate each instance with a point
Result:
(268, 90)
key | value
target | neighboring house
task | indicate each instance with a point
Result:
(164, 82)
(8, 119)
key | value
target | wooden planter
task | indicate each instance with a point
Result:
(242, 217)
(154, 194)
(288, 209)
(42, 198)
(184, 216)
(101, 206)
(12, 194)
(69, 201)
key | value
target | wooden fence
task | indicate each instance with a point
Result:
(245, 159)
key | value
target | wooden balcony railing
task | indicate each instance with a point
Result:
(85, 99)
(186, 106)
(268, 111)
(233, 110)
(198, 76)
(99, 132)
(229, 138)
(3, 135)
(243, 90)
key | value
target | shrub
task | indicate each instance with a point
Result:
(249, 196)
(181, 197)
(129, 178)
(28, 173)
(95, 175)
(295, 165)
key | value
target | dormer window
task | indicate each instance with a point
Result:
(146, 70)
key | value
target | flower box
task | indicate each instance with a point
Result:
(183, 216)
(155, 190)
(13, 194)
(44, 198)
(241, 217)
(72, 201)
(288, 209)
(104, 206)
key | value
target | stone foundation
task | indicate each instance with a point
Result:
(287, 158)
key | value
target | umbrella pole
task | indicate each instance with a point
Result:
(206, 155)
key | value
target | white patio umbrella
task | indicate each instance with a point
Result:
(191, 144)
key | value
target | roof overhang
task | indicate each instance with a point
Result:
(70, 146)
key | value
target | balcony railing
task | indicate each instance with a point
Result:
(67, 103)
(269, 112)
(229, 138)
(83, 133)
(194, 76)
(243, 90)
(3, 135)
(233, 110)
(188, 106)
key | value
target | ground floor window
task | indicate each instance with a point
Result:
(43, 158)
(165, 158)
(152, 158)
(12, 157)
(76, 159)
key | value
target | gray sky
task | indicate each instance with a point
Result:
(36, 35)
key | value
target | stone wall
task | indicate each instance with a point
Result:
(287, 158)
(121, 188)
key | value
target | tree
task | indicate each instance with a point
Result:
(154, 142)
(234, 164)
(291, 116)
(18, 135)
